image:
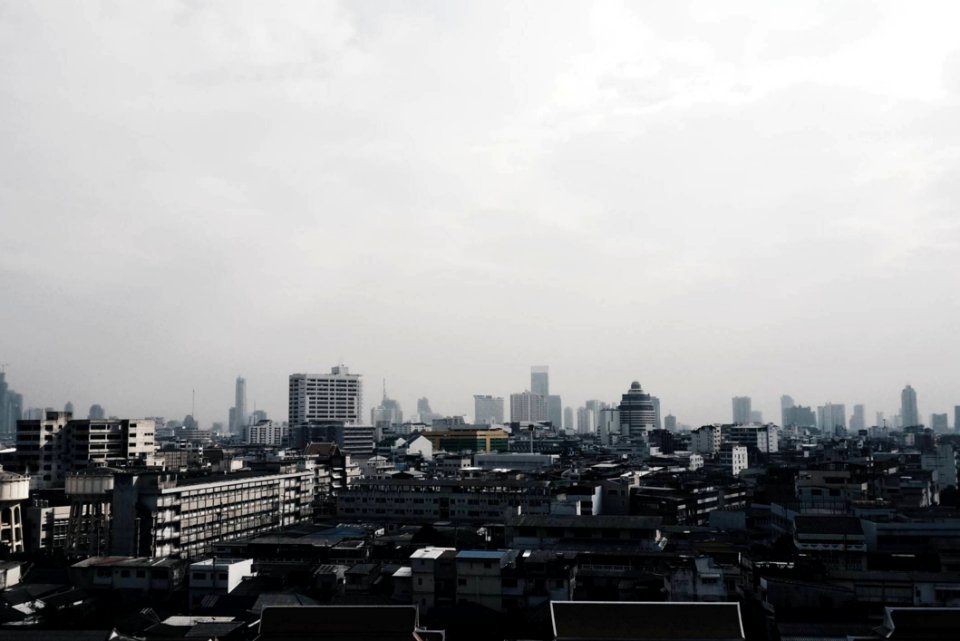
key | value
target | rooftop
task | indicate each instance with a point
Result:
(647, 621)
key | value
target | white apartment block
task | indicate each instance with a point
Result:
(336, 396)
(268, 433)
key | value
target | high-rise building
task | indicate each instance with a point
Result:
(595, 407)
(540, 380)
(832, 418)
(956, 418)
(337, 396)
(741, 410)
(799, 416)
(909, 413)
(881, 419)
(756, 417)
(657, 422)
(96, 413)
(637, 411)
(670, 422)
(938, 423)
(786, 402)
(11, 409)
(487, 409)
(585, 422)
(68, 408)
(858, 420)
(528, 406)
(568, 418)
(387, 414)
(555, 410)
(239, 407)
(424, 412)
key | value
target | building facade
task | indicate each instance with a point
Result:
(336, 396)
(487, 409)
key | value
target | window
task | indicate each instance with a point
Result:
(222, 576)
(199, 576)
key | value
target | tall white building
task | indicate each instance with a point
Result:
(268, 433)
(741, 409)
(336, 396)
(909, 413)
(528, 406)
(832, 418)
(540, 380)
(487, 409)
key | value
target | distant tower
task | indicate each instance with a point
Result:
(637, 411)
(68, 408)
(97, 413)
(858, 420)
(568, 418)
(240, 404)
(14, 490)
(786, 402)
(670, 422)
(741, 409)
(540, 380)
(909, 414)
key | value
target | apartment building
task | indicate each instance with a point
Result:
(161, 514)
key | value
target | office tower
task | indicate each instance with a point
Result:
(637, 411)
(555, 411)
(786, 402)
(594, 407)
(337, 396)
(11, 409)
(938, 423)
(799, 416)
(656, 412)
(858, 420)
(881, 420)
(487, 409)
(267, 433)
(608, 427)
(956, 418)
(909, 413)
(670, 422)
(540, 380)
(68, 408)
(568, 418)
(96, 413)
(424, 411)
(528, 407)
(585, 423)
(257, 416)
(831, 418)
(387, 414)
(741, 409)
(238, 413)
(756, 416)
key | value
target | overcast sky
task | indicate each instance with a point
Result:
(714, 198)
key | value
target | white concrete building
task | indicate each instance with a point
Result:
(336, 396)
(216, 576)
(268, 433)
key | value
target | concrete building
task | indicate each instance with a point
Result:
(938, 423)
(706, 440)
(469, 440)
(742, 406)
(268, 433)
(49, 449)
(216, 577)
(160, 514)
(734, 458)
(568, 419)
(238, 413)
(763, 437)
(517, 461)
(337, 396)
(832, 419)
(480, 577)
(14, 490)
(540, 380)
(909, 412)
(528, 407)
(799, 416)
(487, 409)
(434, 572)
(555, 410)
(430, 500)
(670, 423)
(142, 574)
(858, 420)
(638, 413)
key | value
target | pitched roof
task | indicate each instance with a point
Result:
(647, 621)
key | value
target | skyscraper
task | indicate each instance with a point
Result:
(555, 410)
(337, 396)
(956, 418)
(858, 420)
(11, 409)
(909, 413)
(670, 422)
(637, 411)
(568, 418)
(239, 407)
(540, 380)
(96, 413)
(388, 413)
(741, 410)
(786, 402)
(938, 423)
(487, 409)
(831, 418)
(528, 407)
(799, 416)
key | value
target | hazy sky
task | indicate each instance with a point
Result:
(714, 198)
